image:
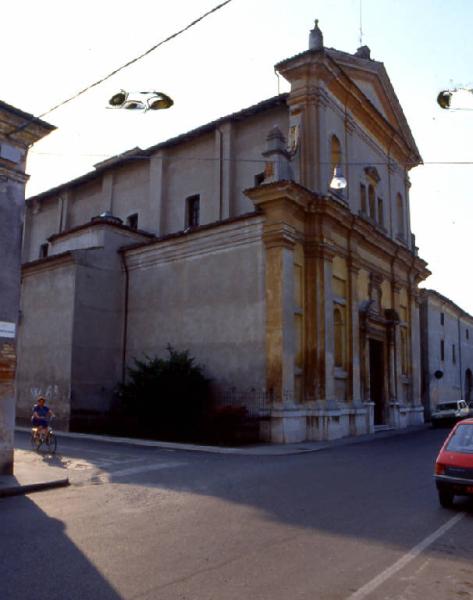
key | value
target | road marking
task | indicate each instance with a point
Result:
(369, 587)
(108, 477)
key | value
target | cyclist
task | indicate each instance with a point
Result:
(41, 416)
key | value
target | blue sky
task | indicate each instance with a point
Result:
(54, 48)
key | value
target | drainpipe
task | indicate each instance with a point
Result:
(125, 316)
(460, 357)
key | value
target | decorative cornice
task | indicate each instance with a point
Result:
(220, 238)
(7, 173)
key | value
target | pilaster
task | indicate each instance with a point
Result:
(415, 350)
(107, 190)
(156, 191)
(396, 288)
(354, 391)
(284, 205)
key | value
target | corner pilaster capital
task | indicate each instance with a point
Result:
(279, 235)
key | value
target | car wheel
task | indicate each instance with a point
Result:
(446, 498)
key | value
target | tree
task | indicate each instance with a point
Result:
(168, 395)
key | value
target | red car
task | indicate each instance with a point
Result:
(454, 464)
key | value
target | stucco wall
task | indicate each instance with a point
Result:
(98, 329)
(189, 170)
(203, 292)
(11, 217)
(45, 338)
(453, 332)
(130, 194)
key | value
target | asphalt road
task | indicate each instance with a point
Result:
(352, 522)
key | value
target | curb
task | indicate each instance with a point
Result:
(259, 450)
(19, 489)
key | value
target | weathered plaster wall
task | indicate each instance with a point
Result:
(45, 338)
(11, 218)
(456, 331)
(98, 325)
(203, 292)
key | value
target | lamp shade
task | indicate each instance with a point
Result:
(338, 181)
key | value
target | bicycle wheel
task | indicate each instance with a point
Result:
(35, 441)
(51, 443)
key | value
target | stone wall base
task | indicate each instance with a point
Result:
(294, 424)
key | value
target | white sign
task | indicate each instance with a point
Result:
(7, 330)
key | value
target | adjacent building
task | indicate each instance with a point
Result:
(447, 351)
(301, 300)
(18, 130)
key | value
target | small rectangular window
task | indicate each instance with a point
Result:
(193, 211)
(132, 221)
(467, 334)
(442, 350)
(454, 355)
(43, 250)
(442, 319)
(380, 212)
(259, 179)
(363, 198)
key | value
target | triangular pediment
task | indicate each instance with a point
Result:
(372, 80)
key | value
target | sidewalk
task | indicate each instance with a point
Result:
(34, 472)
(261, 449)
(31, 474)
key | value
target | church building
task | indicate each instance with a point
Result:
(285, 265)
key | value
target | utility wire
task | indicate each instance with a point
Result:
(130, 62)
(241, 159)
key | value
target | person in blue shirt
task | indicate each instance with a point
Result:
(41, 415)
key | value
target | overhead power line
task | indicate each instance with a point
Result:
(138, 157)
(130, 62)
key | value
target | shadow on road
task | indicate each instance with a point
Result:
(382, 491)
(39, 562)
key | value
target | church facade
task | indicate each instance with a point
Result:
(298, 292)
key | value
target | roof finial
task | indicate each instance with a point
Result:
(316, 39)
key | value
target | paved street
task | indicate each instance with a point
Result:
(351, 522)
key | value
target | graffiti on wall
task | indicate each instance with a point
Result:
(50, 392)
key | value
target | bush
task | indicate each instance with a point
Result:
(167, 395)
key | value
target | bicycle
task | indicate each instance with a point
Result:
(39, 438)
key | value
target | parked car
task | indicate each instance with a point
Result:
(454, 464)
(448, 412)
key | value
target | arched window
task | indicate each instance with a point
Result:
(339, 335)
(335, 152)
(372, 201)
(400, 216)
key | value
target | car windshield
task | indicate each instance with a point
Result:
(462, 439)
(447, 406)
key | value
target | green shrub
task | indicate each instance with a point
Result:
(166, 394)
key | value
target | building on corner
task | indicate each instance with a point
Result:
(18, 131)
(301, 301)
(447, 351)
